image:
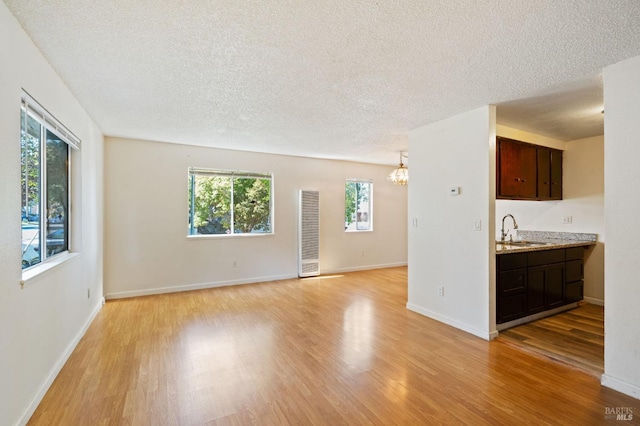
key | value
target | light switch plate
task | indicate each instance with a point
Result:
(454, 190)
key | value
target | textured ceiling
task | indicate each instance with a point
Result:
(566, 112)
(329, 78)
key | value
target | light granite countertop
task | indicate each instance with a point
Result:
(547, 241)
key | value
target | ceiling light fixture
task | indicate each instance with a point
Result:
(399, 176)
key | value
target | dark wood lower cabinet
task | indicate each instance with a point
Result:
(554, 283)
(551, 278)
(512, 307)
(573, 291)
(535, 290)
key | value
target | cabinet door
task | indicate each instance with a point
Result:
(512, 282)
(549, 174)
(536, 278)
(545, 287)
(544, 173)
(528, 171)
(575, 270)
(516, 169)
(556, 174)
(554, 285)
(573, 292)
(511, 308)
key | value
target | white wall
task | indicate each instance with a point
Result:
(444, 248)
(622, 209)
(41, 323)
(583, 200)
(147, 250)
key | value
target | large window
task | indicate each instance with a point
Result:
(45, 154)
(358, 205)
(224, 202)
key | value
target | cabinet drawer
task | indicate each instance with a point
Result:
(512, 282)
(512, 261)
(510, 308)
(574, 270)
(573, 292)
(575, 253)
(545, 257)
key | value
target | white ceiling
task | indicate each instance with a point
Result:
(339, 79)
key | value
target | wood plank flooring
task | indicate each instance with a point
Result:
(331, 350)
(575, 337)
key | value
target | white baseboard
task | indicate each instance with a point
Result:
(215, 284)
(364, 268)
(188, 287)
(620, 386)
(594, 301)
(44, 387)
(483, 334)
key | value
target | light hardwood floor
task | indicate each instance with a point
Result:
(332, 350)
(575, 337)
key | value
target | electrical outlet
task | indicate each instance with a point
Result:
(362, 253)
(441, 291)
(415, 222)
(567, 220)
(235, 263)
(88, 293)
(477, 225)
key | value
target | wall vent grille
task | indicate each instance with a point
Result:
(309, 234)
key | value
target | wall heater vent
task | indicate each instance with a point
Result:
(309, 234)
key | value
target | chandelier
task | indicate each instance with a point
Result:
(399, 176)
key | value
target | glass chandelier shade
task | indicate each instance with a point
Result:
(399, 176)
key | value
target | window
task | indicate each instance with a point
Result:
(358, 205)
(45, 154)
(224, 202)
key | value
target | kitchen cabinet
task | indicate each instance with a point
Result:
(534, 282)
(546, 285)
(549, 163)
(516, 173)
(527, 172)
(512, 298)
(574, 275)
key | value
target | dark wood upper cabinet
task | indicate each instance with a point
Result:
(556, 174)
(527, 172)
(549, 174)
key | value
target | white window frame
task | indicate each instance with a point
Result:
(32, 108)
(369, 211)
(232, 174)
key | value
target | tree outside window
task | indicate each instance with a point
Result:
(44, 180)
(358, 205)
(223, 202)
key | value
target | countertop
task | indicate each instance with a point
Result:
(502, 248)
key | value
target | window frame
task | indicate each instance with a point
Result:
(231, 174)
(30, 108)
(368, 182)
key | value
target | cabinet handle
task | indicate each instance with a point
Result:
(553, 183)
(546, 183)
(517, 179)
(524, 180)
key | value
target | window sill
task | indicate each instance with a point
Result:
(224, 236)
(41, 270)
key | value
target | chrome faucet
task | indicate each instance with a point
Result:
(503, 234)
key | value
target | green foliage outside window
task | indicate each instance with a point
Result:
(356, 200)
(227, 204)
